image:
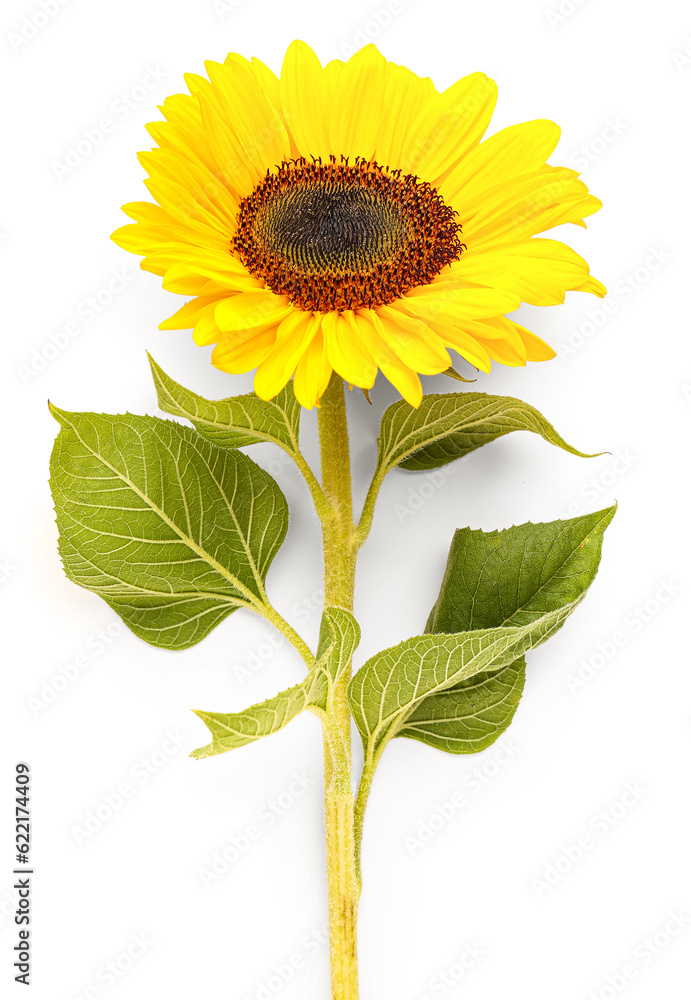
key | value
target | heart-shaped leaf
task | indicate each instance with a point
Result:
(173, 532)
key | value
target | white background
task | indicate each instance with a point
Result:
(616, 76)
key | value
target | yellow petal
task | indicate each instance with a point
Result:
(233, 167)
(177, 278)
(224, 269)
(251, 310)
(357, 107)
(503, 352)
(141, 238)
(144, 211)
(268, 81)
(413, 340)
(448, 126)
(536, 349)
(183, 277)
(518, 149)
(430, 301)
(197, 179)
(184, 209)
(306, 101)
(396, 371)
(255, 121)
(313, 373)
(183, 130)
(530, 204)
(404, 95)
(593, 286)
(186, 317)
(346, 349)
(496, 328)
(452, 332)
(293, 337)
(206, 329)
(237, 354)
(539, 271)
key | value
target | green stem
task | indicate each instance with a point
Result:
(365, 523)
(269, 612)
(340, 553)
(359, 814)
(321, 503)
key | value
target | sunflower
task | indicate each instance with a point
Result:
(350, 218)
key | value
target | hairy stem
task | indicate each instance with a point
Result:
(321, 504)
(359, 814)
(340, 553)
(269, 612)
(363, 529)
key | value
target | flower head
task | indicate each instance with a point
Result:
(350, 218)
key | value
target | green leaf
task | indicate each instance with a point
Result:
(511, 577)
(391, 685)
(470, 716)
(339, 636)
(233, 422)
(338, 639)
(173, 532)
(448, 426)
(456, 376)
(526, 581)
